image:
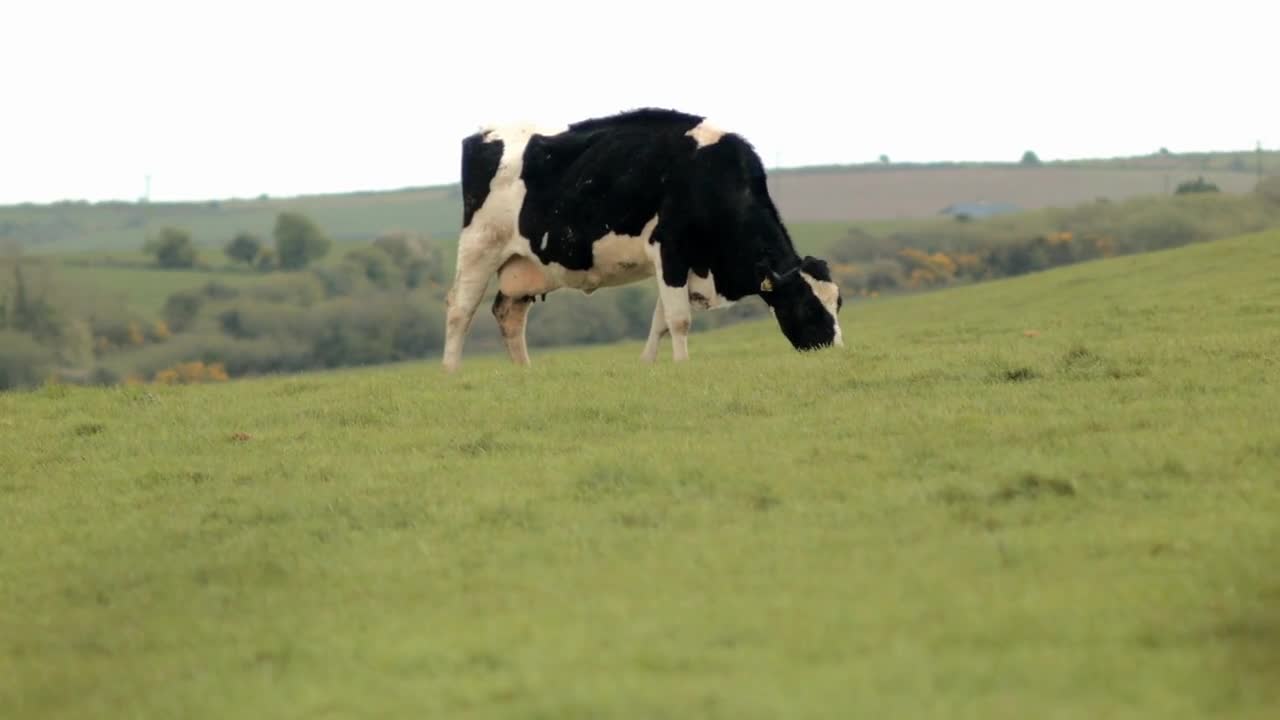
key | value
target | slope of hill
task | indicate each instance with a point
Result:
(820, 194)
(953, 517)
(921, 193)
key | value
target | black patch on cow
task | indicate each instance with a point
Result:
(480, 162)
(601, 176)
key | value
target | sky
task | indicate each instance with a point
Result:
(235, 99)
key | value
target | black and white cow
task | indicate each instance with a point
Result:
(615, 200)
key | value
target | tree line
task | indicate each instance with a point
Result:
(299, 241)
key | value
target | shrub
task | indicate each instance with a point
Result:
(23, 361)
(341, 280)
(295, 288)
(1269, 189)
(420, 260)
(376, 265)
(1199, 185)
(181, 309)
(172, 248)
(299, 241)
(267, 260)
(244, 248)
(1158, 228)
(188, 373)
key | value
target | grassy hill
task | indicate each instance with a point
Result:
(913, 193)
(1050, 496)
(817, 194)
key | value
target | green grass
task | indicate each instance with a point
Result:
(115, 227)
(145, 290)
(949, 518)
(134, 279)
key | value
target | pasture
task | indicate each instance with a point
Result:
(1052, 496)
(920, 193)
(142, 289)
(839, 194)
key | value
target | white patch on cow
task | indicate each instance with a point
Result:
(519, 133)
(705, 134)
(827, 293)
(703, 294)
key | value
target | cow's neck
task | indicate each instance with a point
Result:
(736, 277)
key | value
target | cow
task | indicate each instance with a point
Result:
(610, 201)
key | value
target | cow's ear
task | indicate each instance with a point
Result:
(816, 267)
(766, 275)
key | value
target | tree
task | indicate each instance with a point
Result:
(884, 159)
(1030, 158)
(299, 241)
(173, 248)
(244, 247)
(376, 265)
(32, 313)
(419, 258)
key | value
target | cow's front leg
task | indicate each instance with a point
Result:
(672, 275)
(656, 330)
(678, 316)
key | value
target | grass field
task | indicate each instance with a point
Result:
(145, 290)
(918, 193)
(950, 518)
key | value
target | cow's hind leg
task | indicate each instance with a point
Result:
(512, 314)
(477, 262)
(656, 331)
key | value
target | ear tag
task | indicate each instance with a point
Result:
(766, 285)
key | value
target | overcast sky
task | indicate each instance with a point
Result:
(233, 99)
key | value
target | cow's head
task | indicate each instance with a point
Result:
(805, 302)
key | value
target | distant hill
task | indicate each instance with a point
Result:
(811, 194)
